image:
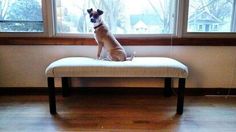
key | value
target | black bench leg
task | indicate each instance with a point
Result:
(180, 100)
(65, 86)
(167, 88)
(52, 97)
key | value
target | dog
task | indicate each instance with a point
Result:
(105, 39)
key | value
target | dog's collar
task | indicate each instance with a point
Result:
(98, 26)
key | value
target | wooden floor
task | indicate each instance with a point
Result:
(114, 113)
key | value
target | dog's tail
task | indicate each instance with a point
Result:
(131, 57)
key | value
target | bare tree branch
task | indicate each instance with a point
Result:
(4, 5)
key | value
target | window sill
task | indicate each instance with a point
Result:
(123, 41)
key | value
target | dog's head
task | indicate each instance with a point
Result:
(95, 15)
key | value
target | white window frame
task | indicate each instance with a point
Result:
(187, 34)
(81, 35)
(45, 5)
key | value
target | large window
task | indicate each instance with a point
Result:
(211, 16)
(133, 18)
(21, 16)
(121, 16)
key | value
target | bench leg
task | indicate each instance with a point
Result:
(52, 97)
(167, 88)
(65, 86)
(180, 99)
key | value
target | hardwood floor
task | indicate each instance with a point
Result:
(125, 112)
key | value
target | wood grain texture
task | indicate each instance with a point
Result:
(123, 41)
(118, 113)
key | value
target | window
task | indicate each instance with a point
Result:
(121, 16)
(21, 16)
(212, 15)
(128, 18)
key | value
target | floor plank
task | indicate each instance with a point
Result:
(114, 113)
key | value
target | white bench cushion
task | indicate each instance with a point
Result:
(138, 67)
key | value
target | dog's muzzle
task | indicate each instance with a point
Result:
(93, 20)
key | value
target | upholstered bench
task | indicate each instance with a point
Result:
(162, 67)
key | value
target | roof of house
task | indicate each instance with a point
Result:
(208, 17)
(140, 24)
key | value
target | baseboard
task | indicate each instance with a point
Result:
(117, 90)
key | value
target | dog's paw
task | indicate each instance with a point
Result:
(99, 58)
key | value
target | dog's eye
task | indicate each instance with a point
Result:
(90, 15)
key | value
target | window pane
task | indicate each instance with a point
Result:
(121, 16)
(210, 15)
(21, 16)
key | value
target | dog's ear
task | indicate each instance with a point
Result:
(90, 10)
(100, 12)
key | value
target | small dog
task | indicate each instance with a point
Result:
(104, 38)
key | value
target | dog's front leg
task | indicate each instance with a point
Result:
(100, 45)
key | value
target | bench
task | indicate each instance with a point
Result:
(160, 67)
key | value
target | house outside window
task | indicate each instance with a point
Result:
(215, 27)
(200, 27)
(213, 15)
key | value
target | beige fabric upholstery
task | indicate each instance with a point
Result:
(138, 67)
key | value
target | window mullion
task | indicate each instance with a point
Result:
(49, 22)
(184, 23)
(233, 29)
(180, 21)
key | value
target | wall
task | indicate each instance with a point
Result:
(209, 67)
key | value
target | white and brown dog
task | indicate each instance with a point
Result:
(104, 38)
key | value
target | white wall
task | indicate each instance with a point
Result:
(209, 67)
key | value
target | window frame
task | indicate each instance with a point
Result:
(46, 23)
(187, 34)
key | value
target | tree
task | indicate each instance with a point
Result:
(25, 10)
(219, 8)
(164, 11)
(112, 16)
(4, 4)
(20, 15)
